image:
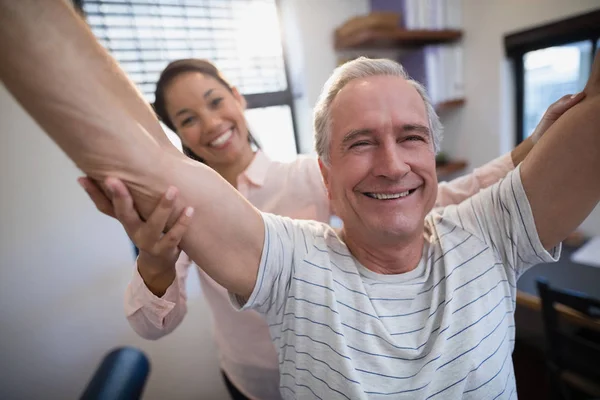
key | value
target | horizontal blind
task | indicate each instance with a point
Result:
(241, 37)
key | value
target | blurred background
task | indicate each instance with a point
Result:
(64, 266)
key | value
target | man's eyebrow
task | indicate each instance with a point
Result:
(350, 136)
(416, 128)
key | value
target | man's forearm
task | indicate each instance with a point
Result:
(55, 68)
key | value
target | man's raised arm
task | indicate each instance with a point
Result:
(55, 68)
(561, 175)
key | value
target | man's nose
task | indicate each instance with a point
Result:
(389, 161)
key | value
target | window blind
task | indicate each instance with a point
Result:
(241, 37)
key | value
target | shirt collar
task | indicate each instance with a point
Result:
(256, 172)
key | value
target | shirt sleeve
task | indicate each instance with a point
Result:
(153, 317)
(501, 217)
(286, 242)
(459, 189)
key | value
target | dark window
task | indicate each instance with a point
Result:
(550, 61)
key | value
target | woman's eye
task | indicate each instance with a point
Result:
(216, 102)
(187, 121)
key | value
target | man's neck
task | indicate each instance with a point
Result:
(394, 258)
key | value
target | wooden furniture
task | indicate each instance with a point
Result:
(396, 37)
(564, 274)
(448, 169)
(572, 355)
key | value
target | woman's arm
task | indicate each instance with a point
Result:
(68, 83)
(153, 317)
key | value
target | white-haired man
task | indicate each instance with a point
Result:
(404, 303)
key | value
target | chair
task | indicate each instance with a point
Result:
(573, 354)
(121, 376)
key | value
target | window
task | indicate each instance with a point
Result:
(551, 73)
(549, 62)
(241, 37)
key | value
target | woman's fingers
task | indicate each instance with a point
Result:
(148, 235)
(102, 203)
(170, 240)
(156, 224)
(553, 112)
(559, 107)
(122, 202)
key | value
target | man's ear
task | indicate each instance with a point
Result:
(238, 96)
(325, 173)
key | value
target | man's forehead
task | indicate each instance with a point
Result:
(367, 100)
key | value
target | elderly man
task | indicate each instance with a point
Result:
(405, 302)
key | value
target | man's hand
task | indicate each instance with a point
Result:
(592, 87)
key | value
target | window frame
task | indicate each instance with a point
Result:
(584, 27)
(257, 100)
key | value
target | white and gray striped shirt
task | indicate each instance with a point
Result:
(443, 330)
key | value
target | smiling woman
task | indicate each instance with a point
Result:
(195, 100)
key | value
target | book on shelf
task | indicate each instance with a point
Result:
(423, 14)
(439, 68)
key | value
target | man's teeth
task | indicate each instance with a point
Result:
(222, 139)
(379, 196)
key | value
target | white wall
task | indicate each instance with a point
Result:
(484, 127)
(308, 27)
(63, 271)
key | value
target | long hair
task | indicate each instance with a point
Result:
(175, 69)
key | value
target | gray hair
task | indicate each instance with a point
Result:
(363, 67)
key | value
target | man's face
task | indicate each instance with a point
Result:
(381, 178)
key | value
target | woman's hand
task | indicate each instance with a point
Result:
(158, 251)
(553, 112)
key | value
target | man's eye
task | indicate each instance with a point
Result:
(359, 144)
(412, 138)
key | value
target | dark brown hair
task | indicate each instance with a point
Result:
(175, 69)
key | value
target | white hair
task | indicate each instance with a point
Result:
(363, 67)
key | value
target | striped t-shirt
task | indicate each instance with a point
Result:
(444, 330)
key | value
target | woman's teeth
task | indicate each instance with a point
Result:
(222, 139)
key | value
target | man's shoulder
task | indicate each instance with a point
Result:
(308, 228)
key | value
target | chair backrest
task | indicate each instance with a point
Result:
(121, 376)
(567, 346)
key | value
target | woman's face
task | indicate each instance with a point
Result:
(208, 117)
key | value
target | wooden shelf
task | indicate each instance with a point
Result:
(449, 168)
(399, 37)
(450, 104)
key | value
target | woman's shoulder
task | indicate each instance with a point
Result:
(304, 167)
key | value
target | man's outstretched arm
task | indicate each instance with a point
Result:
(561, 175)
(55, 68)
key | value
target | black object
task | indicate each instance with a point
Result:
(572, 354)
(121, 376)
(234, 392)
